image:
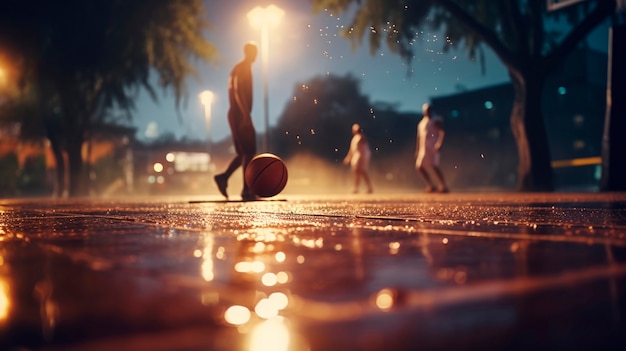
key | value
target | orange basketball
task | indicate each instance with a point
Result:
(266, 175)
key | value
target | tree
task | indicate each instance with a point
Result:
(319, 117)
(83, 58)
(529, 40)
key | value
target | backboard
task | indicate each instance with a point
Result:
(554, 5)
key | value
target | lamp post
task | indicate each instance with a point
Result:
(264, 18)
(206, 98)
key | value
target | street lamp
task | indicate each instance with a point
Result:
(206, 98)
(264, 18)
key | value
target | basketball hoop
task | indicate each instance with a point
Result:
(554, 5)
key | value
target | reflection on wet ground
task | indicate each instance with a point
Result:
(453, 271)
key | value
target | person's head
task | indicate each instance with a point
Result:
(250, 52)
(426, 109)
(356, 129)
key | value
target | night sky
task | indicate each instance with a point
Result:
(303, 46)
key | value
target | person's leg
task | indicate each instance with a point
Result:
(355, 181)
(368, 182)
(246, 193)
(426, 177)
(443, 188)
(222, 179)
(247, 144)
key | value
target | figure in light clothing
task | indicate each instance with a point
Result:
(358, 158)
(430, 135)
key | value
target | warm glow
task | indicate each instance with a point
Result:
(208, 272)
(206, 97)
(280, 256)
(4, 299)
(282, 277)
(266, 309)
(279, 300)
(269, 279)
(250, 267)
(265, 16)
(237, 315)
(272, 335)
(158, 167)
(384, 299)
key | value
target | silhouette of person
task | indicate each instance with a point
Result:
(240, 120)
(430, 135)
(358, 158)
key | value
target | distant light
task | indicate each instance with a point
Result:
(206, 97)
(455, 113)
(158, 167)
(562, 90)
(265, 16)
(597, 174)
(488, 105)
(384, 299)
(160, 179)
(271, 334)
(170, 157)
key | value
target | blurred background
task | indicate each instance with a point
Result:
(106, 98)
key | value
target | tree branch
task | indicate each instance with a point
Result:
(484, 33)
(602, 11)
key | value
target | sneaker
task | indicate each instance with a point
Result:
(221, 181)
(248, 197)
(443, 190)
(429, 189)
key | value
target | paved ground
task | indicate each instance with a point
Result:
(444, 272)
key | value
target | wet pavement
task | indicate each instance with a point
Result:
(416, 272)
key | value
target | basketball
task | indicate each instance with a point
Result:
(266, 175)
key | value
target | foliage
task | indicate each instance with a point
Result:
(319, 120)
(82, 58)
(32, 177)
(8, 174)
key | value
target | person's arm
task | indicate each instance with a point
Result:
(417, 141)
(440, 135)
(346, 160)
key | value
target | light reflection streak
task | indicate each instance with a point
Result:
(250, 267)
(270, 335)
(5, 300)
(237, 315)
(208, 265)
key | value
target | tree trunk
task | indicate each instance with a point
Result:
(75, 160)
(534, 169)
(613, 141)
(59, 183)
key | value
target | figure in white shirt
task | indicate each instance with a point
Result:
(358, 158)
(430, 136)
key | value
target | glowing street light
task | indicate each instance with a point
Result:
(206, 98)
(264, 18)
